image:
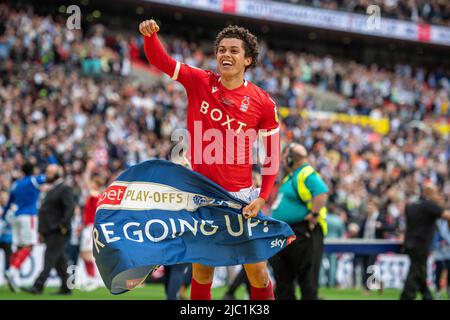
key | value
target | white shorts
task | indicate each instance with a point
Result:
(25, 230)
(86, 238)
(247, 194)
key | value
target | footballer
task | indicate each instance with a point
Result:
(225, 101)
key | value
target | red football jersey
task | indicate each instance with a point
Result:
(223, 124)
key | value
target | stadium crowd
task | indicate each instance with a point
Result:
(68, 96)
(420, 11)
(76, 106)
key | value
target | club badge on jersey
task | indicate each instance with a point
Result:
(160, 213)
(245, 104)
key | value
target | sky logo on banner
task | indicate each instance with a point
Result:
(160, 213)
(277, 243)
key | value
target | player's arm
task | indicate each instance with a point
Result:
(270, 134)
(158, 56)
(271, 163)
(38, 181)
(269, 174)
(154, 51)
(269, 131)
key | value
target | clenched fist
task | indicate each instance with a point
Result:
(148, 27)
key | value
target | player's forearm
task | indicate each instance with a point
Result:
(267, 183)
(157, 55)
(271, 164)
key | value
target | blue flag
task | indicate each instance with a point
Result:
(160, 213)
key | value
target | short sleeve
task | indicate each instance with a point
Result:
(269, 124)
(316, 185)
(38, 180)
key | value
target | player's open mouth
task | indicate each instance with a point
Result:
(227, 63)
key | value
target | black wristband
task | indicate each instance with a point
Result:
(315, 214)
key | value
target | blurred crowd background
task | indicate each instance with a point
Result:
(70, 96)
(423, 11)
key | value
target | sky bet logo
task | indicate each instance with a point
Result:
(277, 243)
(113, 195)
(139, 195)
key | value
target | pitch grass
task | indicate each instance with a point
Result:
(156, 292)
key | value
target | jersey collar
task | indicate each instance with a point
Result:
(243, 85)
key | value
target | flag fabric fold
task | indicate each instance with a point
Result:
(160, 213)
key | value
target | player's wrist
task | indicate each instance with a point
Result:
(262, 200)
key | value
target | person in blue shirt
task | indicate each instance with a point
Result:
(441, 255)
(23, 200)
(5, 232)
(300, 202)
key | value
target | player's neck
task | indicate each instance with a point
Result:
(232, 82)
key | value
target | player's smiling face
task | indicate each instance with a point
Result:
(231, 58)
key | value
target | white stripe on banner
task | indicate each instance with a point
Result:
(154, 196)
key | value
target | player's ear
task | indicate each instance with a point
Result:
(248, 61)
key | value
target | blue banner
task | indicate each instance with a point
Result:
(160, 213)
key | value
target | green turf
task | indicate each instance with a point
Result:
(156, 292)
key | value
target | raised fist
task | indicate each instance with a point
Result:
(148, 27)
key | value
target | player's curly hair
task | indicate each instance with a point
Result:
(249, 40)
